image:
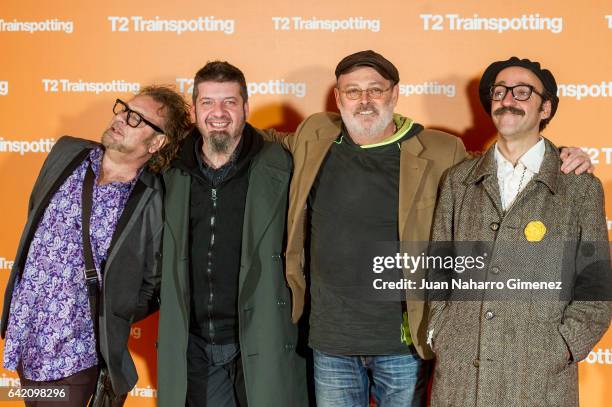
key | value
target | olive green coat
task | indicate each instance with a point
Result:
(275, 375)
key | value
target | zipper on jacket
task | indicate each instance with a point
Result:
(213, 213)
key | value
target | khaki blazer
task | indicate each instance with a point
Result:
(423, 160)
(521, 352)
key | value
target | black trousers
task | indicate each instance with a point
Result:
(81, 386)
(214, 375)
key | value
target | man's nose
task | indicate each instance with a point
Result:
(508, 99)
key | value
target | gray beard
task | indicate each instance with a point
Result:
(355, 128)
(110, 144)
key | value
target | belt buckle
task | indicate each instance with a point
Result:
(90, 275)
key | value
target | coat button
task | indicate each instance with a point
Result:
(495, 270)
(289, 347)
(276, 257)
(494, 226)
(476, 363)
(489, 315)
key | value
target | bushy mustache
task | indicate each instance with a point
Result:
(505, 109)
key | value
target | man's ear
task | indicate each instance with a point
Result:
(545, 110)
(157, 142)
(246, 110)
(395, 94)
(192, 113)
(337, 98)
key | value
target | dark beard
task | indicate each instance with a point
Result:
(220, 141)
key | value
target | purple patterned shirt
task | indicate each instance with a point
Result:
(50, 331)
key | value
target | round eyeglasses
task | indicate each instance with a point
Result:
(356, 93)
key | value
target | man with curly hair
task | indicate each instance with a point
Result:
(57, 282)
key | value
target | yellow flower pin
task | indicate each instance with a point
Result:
(535, 231)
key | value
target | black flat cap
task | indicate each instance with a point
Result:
(372, 59)
(545, 76)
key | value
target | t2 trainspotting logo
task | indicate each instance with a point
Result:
(602, 155)
(180, 26)
(456, 22)
(81, 86)
(584, 90)
(271, 87)
(599, 356)
(6, 264)
(22, 147)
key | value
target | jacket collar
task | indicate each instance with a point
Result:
(551, 167)
(251, 141)
(548, 174)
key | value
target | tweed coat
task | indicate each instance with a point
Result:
(423, 160)
(522, 352)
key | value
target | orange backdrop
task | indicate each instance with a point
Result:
(63, 63)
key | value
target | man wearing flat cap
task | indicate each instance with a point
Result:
(546, 227)
(366, 176)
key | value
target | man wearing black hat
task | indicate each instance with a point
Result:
(547, 227)
(365, 176)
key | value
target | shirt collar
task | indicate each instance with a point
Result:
(532, 159)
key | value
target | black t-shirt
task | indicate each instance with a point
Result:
(353, 202)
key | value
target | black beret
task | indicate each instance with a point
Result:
(372, 59)
(488, 78)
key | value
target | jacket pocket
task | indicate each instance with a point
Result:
(562, 352)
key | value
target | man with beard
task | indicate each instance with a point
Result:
(545, 226)
(111, 190)
(225, 331)
(364, 177)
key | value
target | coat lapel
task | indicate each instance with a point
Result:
(412, 169)
(267, 190)
(486, 171)
(316, 151)
(131, 212)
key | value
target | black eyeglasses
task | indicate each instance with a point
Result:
(133, 118)
(519, 92)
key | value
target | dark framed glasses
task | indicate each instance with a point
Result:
(519, 92)
(133, 118)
